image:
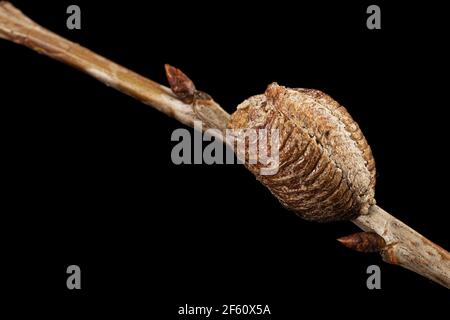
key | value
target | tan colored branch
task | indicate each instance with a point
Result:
(16, 27)
(404, 246)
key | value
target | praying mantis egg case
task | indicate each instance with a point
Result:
(326, 170)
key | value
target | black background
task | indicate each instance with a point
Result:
(88, 179)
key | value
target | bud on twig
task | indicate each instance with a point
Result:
(327, 171)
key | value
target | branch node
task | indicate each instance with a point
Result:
(364, 242)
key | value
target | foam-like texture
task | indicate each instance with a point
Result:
(326, 169)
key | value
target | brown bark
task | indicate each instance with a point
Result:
(404, 246)
(18, 28)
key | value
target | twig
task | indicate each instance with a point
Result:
(406, 247)
(16, 27)
(400, 245)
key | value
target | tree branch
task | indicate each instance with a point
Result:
(404, 246)
(18, 28)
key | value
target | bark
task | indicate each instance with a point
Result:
(404, 246)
